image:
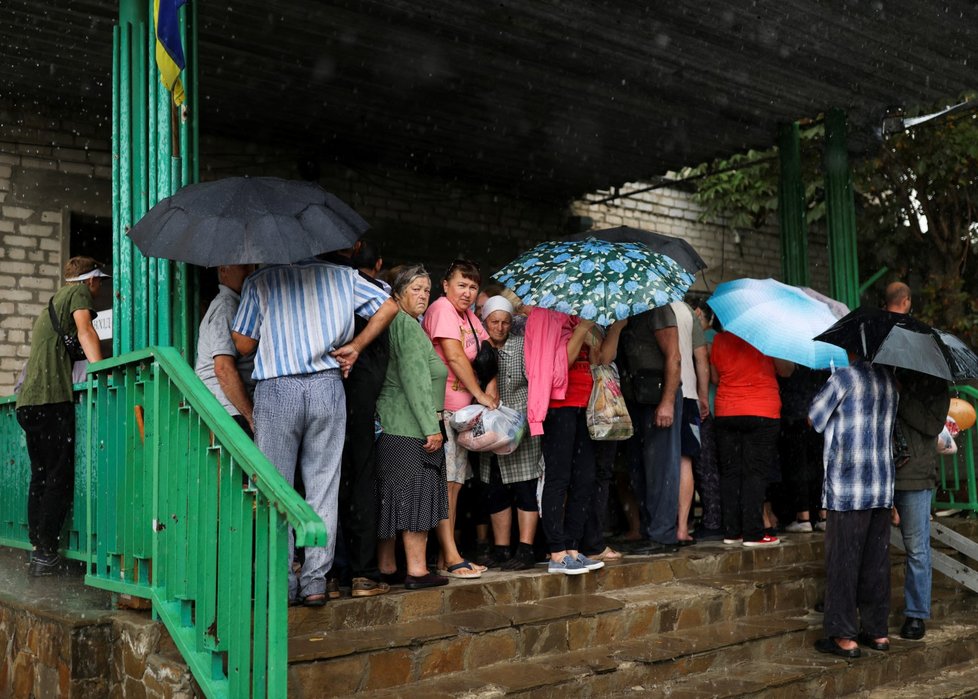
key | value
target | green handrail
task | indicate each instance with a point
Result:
(174, 503)
(956, 484)
(186, 511)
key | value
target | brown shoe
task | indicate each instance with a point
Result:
(333, 588)
(365, 587)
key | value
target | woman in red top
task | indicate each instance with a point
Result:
(568, 457)
(748, 417)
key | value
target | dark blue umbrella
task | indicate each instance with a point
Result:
(244, 220)
(678, 249)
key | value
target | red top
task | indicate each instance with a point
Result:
(579, 383)
(748, 381)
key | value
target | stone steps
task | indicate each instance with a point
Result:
(651, 623)
(951, 682)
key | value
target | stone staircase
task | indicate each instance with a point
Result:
(709, 621)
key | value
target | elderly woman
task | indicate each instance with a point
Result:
(45, 408)
(511, 479)
(411, 483)
(457, 334)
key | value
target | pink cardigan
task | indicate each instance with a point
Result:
(545, 358)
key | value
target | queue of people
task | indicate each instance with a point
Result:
(351, 386)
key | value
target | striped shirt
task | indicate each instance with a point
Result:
(856, 410)
(300, 313)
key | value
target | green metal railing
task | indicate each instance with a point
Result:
(15, 474)
(956, 485)
(175, 504)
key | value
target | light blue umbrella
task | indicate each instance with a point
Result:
(779, 320)
(595, 279)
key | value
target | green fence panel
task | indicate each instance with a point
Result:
(15, 475)
(956, 486)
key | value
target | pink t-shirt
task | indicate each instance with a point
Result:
(443, 321)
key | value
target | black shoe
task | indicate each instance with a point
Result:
(912, 629)
(704, 534)
(47, 563)
(483, 554)
(523, 559)
(828, 645)
(864, 639)
(395, 578)
(654, 548)
(412, 582)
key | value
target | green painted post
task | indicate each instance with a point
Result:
(791, 208)
(840, 210)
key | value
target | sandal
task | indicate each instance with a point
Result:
(609, 554)
(316, 600)
(455, 571)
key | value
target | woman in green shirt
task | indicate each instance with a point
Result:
(412, 485)
(46, 411)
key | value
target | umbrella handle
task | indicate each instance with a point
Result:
(862, 333)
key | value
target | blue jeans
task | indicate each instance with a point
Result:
(654, 454)
(300, 422)
(914, 509)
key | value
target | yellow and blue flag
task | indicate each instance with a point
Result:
(169, 49)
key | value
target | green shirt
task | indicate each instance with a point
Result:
(414, 387)
(48, 378)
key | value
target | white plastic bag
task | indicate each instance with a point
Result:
(945, 443)
(607, 416)
(499, 431)
(466, 418)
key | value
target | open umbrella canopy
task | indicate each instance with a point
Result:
(779, 320)
(676, 248)
(595, 279)
(899, 340)
(244, 220)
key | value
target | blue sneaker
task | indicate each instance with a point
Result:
(567, 566)
(589, 563)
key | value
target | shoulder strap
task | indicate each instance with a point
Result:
(474, 333)
(54, 317)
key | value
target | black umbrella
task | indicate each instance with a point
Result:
(899, 340)
(243, 220)
(676, 248)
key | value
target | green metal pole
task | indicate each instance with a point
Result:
(791, 208)
(840, 211)
(116, 219)
(122, 188)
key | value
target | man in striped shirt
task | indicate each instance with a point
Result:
(300, 318)
(856, 410)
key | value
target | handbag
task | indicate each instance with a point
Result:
(486, 362)
(71, 342)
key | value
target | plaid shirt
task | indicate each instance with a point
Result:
(525, 463)
(856, 409)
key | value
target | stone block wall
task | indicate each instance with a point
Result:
(730, 254)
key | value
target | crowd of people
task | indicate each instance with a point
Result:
(350, 384)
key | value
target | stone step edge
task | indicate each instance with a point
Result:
(665, 598)
(803, 672)
(949, 682)
(534, 585)
(573, 668)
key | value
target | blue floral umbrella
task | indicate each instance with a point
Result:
(595, 279)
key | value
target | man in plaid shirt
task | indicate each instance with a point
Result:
(856, 410)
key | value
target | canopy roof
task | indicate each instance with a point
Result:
(552, 99)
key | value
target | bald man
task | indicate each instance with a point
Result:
(897, 297)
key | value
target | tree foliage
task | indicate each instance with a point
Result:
(916, 205)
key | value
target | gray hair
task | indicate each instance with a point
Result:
(405, 276)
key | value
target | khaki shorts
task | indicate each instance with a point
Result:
(456, 457)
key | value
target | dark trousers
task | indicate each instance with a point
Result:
(568, 484)
(358, 479)
(801, 466)
(748, 448)
(857, 572)
(707, 475)
(604, 462)
(50, 433)
(653, 455)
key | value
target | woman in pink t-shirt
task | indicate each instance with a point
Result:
(457, 333)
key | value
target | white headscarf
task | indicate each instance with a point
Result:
(496, 303)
